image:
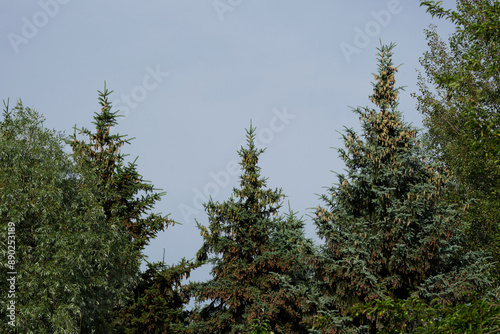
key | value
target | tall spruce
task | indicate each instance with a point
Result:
(125, 196)
(387, 232)
(127, 201)
(259, 280)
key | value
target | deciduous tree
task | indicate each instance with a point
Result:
(460, 100)
(72, 267)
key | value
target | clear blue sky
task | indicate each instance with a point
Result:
(188, 75)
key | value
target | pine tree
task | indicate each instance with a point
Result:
(387, 232)
(259, 281)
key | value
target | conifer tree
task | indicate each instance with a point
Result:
(125, 196)
(387, 232)
(259, 280)
(127, 201)
(159, 302)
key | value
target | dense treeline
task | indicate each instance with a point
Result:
(410, 232)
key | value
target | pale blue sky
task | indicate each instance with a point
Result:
(195, 73)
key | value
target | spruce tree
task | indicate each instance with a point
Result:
(159, 302)
(387, 232)
(259, 280)
(127, 201)
(125, 196)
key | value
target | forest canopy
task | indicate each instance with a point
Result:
(410, 231)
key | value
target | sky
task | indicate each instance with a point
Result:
(190, 75)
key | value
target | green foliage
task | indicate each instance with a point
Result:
(387, 232)
(67, 259)
(160, 300)
(127, 201)
(123, 193)
(403, 236)
(473, 315)
(259, 326)
(258, 272)
(462, 114)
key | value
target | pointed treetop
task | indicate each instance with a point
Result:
(384, 93)
(120, 182)
(105, 119)
(250, 180)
